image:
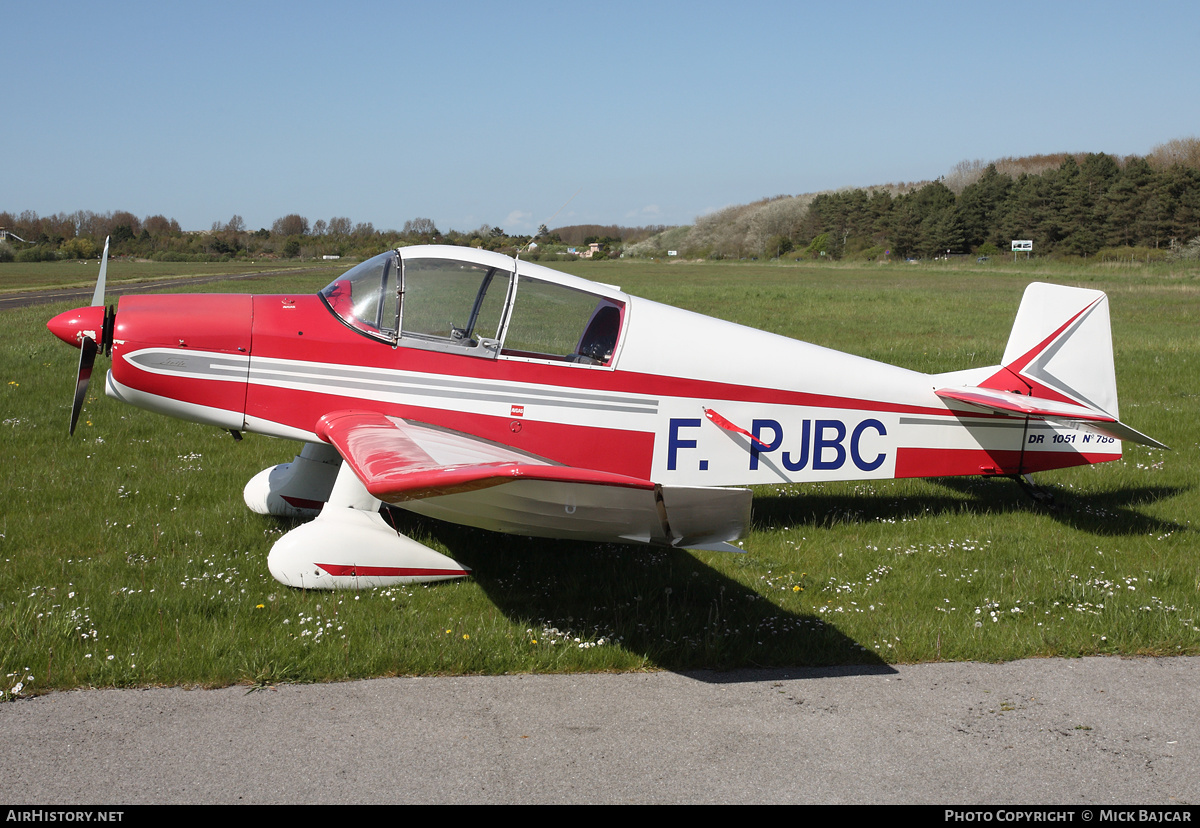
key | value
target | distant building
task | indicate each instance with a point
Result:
(592, 250)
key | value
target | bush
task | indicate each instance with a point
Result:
(41, 253)
(80, 247)
(819, 246)
(777, 246)
(1142, 255)
(868, 254)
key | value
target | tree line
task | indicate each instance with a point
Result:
(81, 235)
(1084, 206)
(1080, 205)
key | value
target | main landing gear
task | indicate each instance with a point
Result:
(348, 545)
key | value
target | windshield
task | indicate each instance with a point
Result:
(364, 297)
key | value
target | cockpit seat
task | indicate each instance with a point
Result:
(600, 338)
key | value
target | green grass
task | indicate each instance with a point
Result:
(130, 559)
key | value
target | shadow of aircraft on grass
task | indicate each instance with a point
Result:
(664, 604)
(1110, 513)
(680, 614)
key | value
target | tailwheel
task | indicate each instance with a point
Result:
(1040, 496)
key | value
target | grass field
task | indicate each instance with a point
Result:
(130, 559)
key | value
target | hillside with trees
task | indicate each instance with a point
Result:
(1069, 205)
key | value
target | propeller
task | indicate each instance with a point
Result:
(89, 329)
(87, 357)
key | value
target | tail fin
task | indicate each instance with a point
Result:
(1060, 348)
(1058, 364)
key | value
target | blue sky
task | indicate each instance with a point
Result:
(476, 113)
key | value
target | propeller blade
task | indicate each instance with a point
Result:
(98, 295)
(88, 346)
(87, 358)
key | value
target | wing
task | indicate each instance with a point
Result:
(463, 479)
(1006, 402)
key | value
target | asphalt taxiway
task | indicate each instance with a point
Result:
(1081, 732)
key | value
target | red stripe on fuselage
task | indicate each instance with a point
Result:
(932, 462)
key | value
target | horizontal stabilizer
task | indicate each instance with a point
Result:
(1006, 402)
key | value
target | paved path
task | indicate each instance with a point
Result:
(1077, 732)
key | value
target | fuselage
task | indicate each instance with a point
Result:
(563, 369)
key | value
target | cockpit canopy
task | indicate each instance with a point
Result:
(460, 300)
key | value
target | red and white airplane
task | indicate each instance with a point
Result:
(482, 390)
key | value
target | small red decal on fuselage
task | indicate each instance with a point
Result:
(518, 411)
